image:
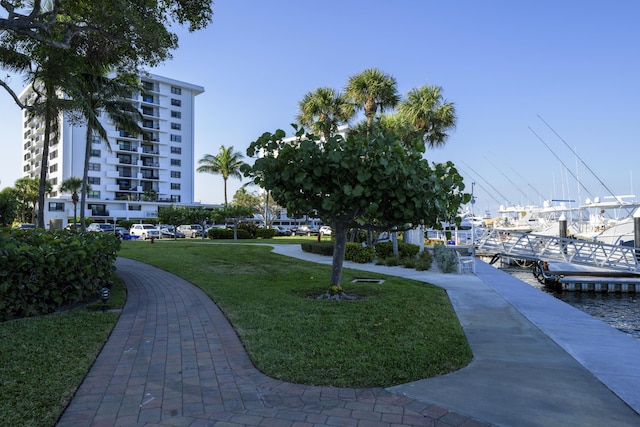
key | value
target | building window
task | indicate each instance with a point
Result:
(93, 194)
(53, 168)
(95, 139)
(176, 90)
(135, 207)
(94, 180)
(175, 198)
(175, 186)
(147, 98)
(27, 156)
(94, 167)
(176, 138)
(95, 153)
(53, 154)
(54, 181)
(147, 111)
(148, 85)
(56, 206)
(176, 150)
(175, 174)
(176, 126)
(175, 162)
(53, 194)
(176, 114)
(26, 168)
(176, 102)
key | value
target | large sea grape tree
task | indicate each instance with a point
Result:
(368, 181)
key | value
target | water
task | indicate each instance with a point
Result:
(622, 311)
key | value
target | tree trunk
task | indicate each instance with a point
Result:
(339, 246)
(85, 178)
(44, 161)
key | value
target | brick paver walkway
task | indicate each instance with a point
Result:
(173, 359)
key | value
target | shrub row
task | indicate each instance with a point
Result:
(243, 233)
(405, 250)
(41, 271)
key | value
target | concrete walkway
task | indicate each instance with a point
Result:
(174, 360)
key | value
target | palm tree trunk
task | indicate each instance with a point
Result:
(44, 161)
(225, 190)
(85, 178)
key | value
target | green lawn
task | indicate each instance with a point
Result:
(397, 332)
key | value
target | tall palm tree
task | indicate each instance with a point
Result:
(226, 163)
(95, 92)
(426, 109)
(323, 110)
(372, 90)
(72, 185)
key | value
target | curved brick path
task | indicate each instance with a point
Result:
(174, 360)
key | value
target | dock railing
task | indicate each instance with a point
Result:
(533, 247)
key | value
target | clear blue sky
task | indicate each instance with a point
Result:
(503, 64)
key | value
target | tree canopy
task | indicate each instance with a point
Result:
(370, 181)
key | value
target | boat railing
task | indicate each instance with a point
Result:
(533, 247)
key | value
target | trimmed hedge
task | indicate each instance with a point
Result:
(41, 271)
(227, 233)
(265, 233)
(384, 250)
(321, 248)
(357, 253)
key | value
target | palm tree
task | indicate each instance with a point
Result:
(426, 109)
(323, 110)
(226, 163)
(72, 185)
(372, 90)
(94, 92)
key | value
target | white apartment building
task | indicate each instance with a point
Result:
(130, 177)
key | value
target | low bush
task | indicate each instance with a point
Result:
(322, 248)
(446, 258)
(265, 233)
(405, 250)
(41, 271)
(357, 253)
(424, 261)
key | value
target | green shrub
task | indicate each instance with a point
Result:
(220, 233)
(249, 227)
(392, 261)
(424, 261)
(322, 248)
(265, 233)
(446, 258)
(409, 263)
(357, 253)
(405, 250)
(41, 271)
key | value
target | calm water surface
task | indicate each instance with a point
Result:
(622, 311)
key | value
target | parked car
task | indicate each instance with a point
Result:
(101, 228)
(281, 231)
(71, 226)
(168, 232)
(144, 231)
(305, 230)
(122, 233)
(325, 230)
(25, 226)
(191, 230)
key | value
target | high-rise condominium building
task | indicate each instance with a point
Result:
(129, 176)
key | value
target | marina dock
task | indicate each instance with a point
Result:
(566, 264)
